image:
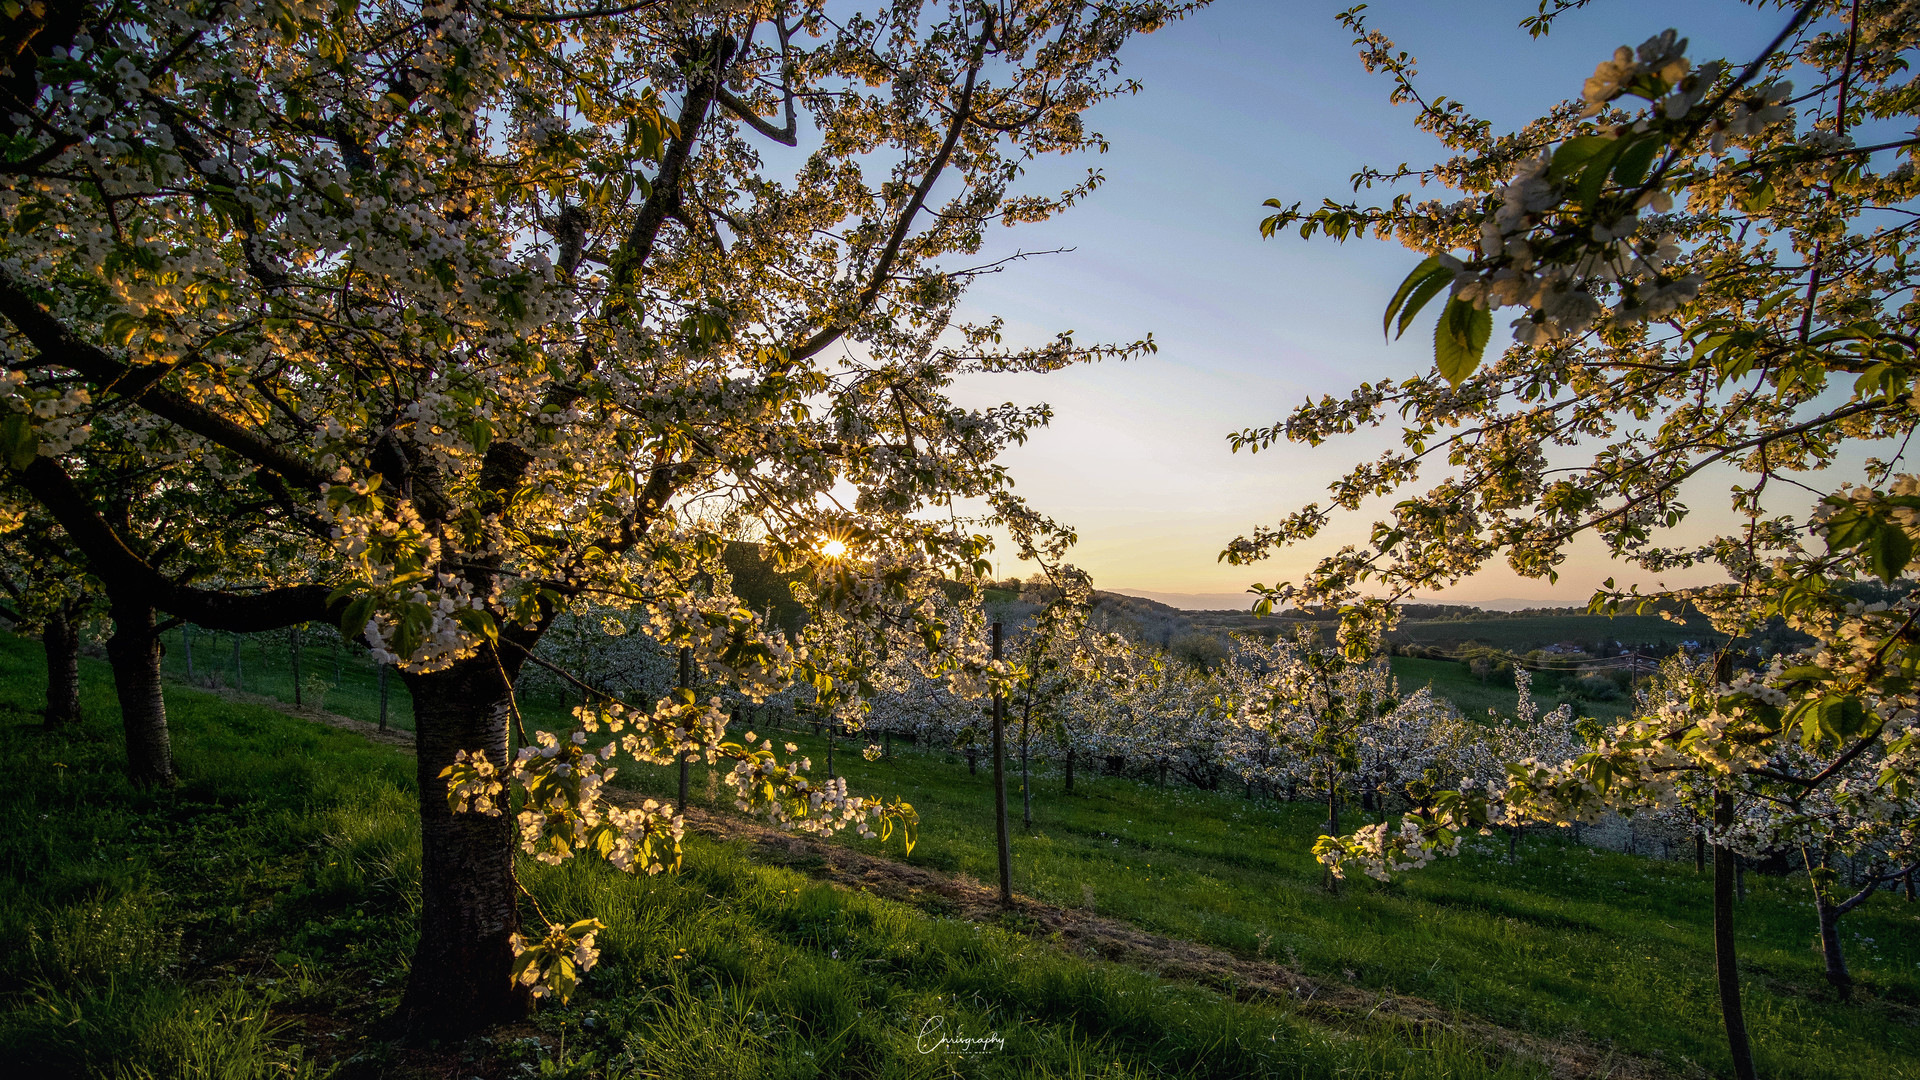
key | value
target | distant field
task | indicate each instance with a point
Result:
(1473, 696)
(1519, 634)
(1522, 634)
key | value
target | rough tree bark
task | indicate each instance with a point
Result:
(469, 898)
(61, 639)
(134, 651)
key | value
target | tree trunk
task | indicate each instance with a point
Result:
(61, 639)
(1070, 788)
(1699, 851)
(461, 980)
(134, 651)
(973, 761)
(686, 680)
(1026, 778)
(1819, 874)
(1726, 968)
(1327, 880)
(1000, 786)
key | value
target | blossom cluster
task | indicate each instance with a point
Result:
(54, 419)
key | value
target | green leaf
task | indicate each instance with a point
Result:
(1575, 153)
(354, 621)
(1460, 338)
(1433, 283)
(1594, 179)
(120, 328)
(19, 445)
(1889, 552)
(1849, 528)
(1420, 273)
(477, 622)
(1635, 160)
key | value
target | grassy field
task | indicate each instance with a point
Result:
(254, 922)
(350, 679)
(1473, 696)
(1568, 942)
(276, 887)
(1524, 633)
(1517, 633)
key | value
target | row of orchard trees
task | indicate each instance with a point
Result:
(436, 320)
(1312, 718)
(1294, 717)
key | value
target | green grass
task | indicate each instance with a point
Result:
(351, 679)
(1534, 632)
(1473, 696)
(236, 925)
(255, 920)
(1570, 941)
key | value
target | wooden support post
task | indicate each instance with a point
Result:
(1000, 785)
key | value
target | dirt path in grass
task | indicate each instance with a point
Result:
(1338, 1005)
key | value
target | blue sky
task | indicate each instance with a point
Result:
(1247, 100)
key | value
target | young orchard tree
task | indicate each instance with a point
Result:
(490, 307)
(1312, 701)
(1711, 269)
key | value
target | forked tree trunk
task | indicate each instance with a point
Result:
(134, 651)
(469, 904)
(61, 639)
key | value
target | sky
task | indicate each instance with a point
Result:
(1245, 101)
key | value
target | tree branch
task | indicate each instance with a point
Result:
(60, 346)
(962, 112)
(127, 574)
